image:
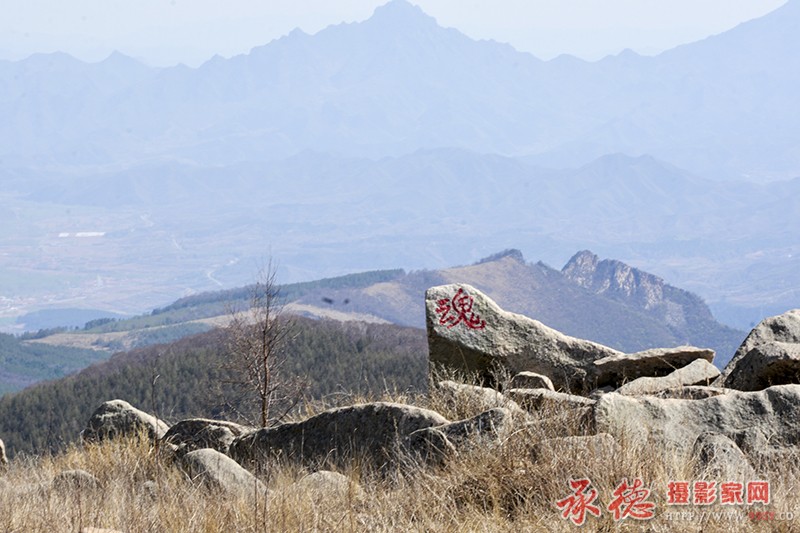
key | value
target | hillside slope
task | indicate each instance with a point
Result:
(187, 378)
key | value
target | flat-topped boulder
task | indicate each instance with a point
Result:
(769, 355)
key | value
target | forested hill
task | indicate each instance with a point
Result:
(186, 378)
(22, 364)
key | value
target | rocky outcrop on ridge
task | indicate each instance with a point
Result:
(469, 332)
(683, 312)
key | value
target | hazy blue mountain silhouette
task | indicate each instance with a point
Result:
(398, 82)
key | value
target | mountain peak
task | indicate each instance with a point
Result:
(401, 12)
(513, 253)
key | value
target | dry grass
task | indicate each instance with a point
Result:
(506, 488)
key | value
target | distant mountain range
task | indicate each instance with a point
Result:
(396, 142)
(398, 82)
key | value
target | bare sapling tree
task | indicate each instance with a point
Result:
(258, 342)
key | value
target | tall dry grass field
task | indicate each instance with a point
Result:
(509, 486)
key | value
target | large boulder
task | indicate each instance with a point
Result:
(198, 433)
(698, 372)
(771, 363)
(470, 332)
(218, 472)
(675, 425)
(372, 432)
(118, 418)
(767, 366)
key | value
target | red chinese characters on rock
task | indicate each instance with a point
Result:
(458, 310)
(576, 505)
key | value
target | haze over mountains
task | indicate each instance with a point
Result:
(397, 143)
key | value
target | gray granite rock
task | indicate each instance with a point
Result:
(218, 472)
(117, 418)
(784, 328)
(372, 432)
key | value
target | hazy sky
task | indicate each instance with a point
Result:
(164, 32)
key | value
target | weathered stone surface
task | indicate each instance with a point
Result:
(437, 443)
(718, 457)
(696, 392)
(544, 399)
(767, 364)
(621, 368)
(3, 458)
(600, 448)
(676, 424)
(373, 432)
(698, 372)
(70, 480)
(117, 418)
(531, 380)
(468, 331)
(219, 472)
(198, 433)
(780, 328)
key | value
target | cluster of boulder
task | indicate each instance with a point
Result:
(669, 397)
